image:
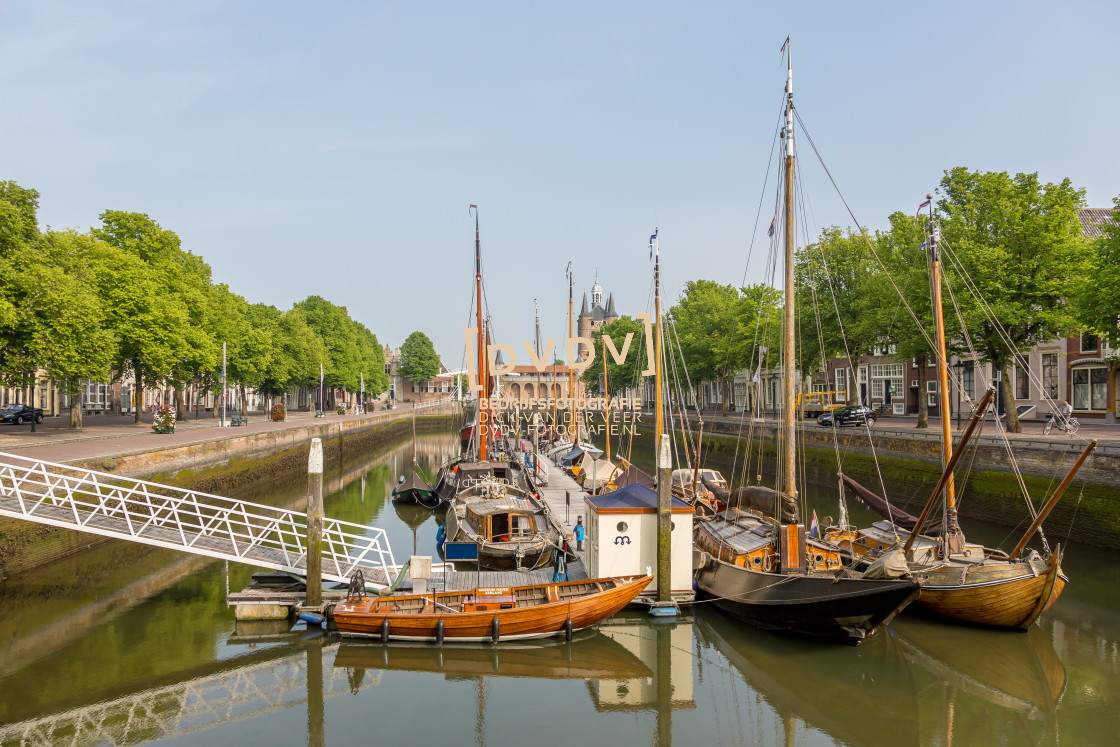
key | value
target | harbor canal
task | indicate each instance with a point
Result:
(127, 644)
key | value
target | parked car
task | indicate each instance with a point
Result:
(20, 414)
(851, 415)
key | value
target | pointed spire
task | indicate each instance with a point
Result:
(610, 306)
(583, 310)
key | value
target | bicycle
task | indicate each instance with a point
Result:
(1071, 424)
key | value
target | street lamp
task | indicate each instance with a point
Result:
(958, 367)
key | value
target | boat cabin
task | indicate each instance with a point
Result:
(746, 539)
(471, 473)
(622, 537)
(505, 519)
(882, 535)
(682, 479)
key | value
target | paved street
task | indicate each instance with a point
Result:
(105, 435)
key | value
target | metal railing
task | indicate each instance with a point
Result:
(187, 520)
(432, 403)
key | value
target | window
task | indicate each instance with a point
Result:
(522, 525)
(1050, 375)
(968, 379)
(1090, 388)
(95, 396)
(877, 389)
(1022, 380)
(1089, 343)
(841, 394)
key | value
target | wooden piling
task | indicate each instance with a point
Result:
(315, 524)
(664, 521)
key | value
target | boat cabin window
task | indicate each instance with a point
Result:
(506, 526)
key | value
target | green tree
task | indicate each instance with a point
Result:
(902, 250)
(622, 376)
(342, 362)
(154, 321)
(63, 315)
(19, 239)
(837, 286)
(298, 351)
(419, 361)
(371, 361)
(1098, 301)
(1019, 241)
(706, 326)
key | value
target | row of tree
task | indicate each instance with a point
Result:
(1017, 272)
(127, 299)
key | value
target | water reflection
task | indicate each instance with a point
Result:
(863, 696)
(127, 645)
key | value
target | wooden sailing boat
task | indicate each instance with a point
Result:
(414, 489)
(475, 462)
(512, 528)
(488, 614)
(767, 573)
(961, 581)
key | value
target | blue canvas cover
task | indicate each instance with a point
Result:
(633, 496)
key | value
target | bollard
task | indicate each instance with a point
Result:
(315, 524)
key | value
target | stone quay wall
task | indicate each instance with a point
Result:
(910, 465)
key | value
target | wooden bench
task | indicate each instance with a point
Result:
(238, 420)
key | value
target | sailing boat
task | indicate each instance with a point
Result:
(767, 573)
(414, 489)
(474, 464)
(961, 581)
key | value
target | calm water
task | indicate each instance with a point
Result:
(127, 645)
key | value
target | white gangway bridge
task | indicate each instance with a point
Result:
(188, 520)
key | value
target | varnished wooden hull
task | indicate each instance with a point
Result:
(593, 656)
(823, 606)
(1010, 594)
(363, 619)
(1022, 673)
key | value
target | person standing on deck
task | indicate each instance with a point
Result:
(579, 534)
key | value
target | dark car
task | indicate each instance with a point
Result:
(19, 414)
(851, 415)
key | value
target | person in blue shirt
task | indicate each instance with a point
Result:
(579, 534)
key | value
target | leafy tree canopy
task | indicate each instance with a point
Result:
(419, 361)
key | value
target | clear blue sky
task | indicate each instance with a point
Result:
(333, 148)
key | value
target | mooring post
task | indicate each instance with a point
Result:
(315, 524)
(664, 521)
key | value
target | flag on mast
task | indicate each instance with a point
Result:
(771, 231)
(814, 527)
(921, 207)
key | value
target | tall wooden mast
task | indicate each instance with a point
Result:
(789, 423)
(606, 398)
(951, 527)
(658, 426)
(482, 377)
(574, 354)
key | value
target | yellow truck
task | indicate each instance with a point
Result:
(818, 403)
